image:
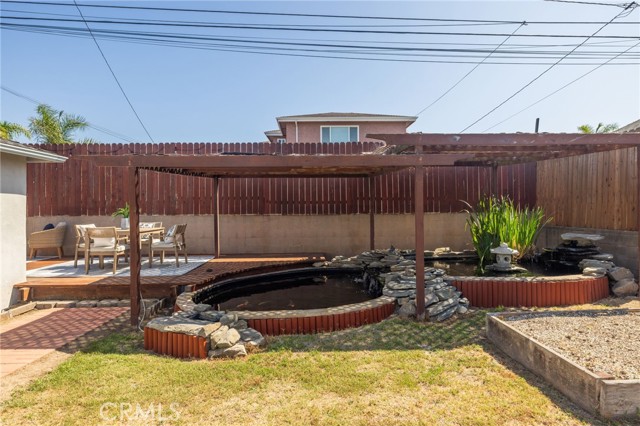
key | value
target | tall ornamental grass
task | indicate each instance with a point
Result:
(497, 220)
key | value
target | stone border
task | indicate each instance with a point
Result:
(595, 392)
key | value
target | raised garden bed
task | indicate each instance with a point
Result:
(590, 355)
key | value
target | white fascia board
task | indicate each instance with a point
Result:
(344, 119)
(32, 155)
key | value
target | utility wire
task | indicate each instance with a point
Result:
(472, 70)
(256, 50)
(113, 74)
(93, 126)
(628, 8)
(276, 27)
(561, 88)
(306, 15)
(623, 5)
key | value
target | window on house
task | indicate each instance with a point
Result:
(281, 140)
(339, 133)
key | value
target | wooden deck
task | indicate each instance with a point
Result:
(40, 289)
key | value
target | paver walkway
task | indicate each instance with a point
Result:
(29, 337)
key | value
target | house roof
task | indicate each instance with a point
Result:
(631, 127)
(344, 117)
(32, 154)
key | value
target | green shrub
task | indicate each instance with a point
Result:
(498, 220)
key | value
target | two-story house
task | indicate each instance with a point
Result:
(336, 127)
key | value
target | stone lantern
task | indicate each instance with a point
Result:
(504, 256)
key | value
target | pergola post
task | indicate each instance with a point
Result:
(134, 243)
(216, 217)
(419, 235)
(372, 213)
(638, 208)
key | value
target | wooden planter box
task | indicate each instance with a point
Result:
(597, 393)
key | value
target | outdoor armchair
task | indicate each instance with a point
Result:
(51, 238)
(102, 242)
(80, 231)
(173, 240)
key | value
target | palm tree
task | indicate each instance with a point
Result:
(10, 130)
(601, 128)
(55, 127)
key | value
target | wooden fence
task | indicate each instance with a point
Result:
(78, 188)
(591, 191)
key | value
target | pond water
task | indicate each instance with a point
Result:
(296, 293)
(470, 268)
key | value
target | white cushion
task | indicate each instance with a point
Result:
(83, 228)
(98, 249)
(104, 242)
(61, 224)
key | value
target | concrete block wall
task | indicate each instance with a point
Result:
(622, 244)
(255, 234)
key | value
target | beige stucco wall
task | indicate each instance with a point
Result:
(340, 234)
(13, 214)
(310, 132)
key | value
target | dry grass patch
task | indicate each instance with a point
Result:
(396, 372)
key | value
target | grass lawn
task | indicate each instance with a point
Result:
(393, 373)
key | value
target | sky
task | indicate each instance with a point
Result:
(204, 95)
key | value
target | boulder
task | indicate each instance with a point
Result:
(213, 316)
(592, 263)
(462, 309)
(445, 314)
(407, 310)
(440, 307)
(602, 256)
(177, 325)
(625, 287)
(398, 293)
(209, 329)
(445, 292)
(594, 272)
(228, 319)
(253, 337)
(619, 273)
(239, 325)
(201, 307)
(464, 301)
(405, 285)
(430, 299)
(582, 240)
(234, 351)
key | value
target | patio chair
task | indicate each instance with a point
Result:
(173, 240)
(102, 242)
(147, 239)
(80, 231)
(51, 238)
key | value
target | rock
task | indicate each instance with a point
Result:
(625, 287)
(462, 309)
(234, 351)
(594, 272)
(213, 316)
(396, 285)
(86, 304)
(228, 319)
(582, 240)
(225, 337)
(602, 256)
(464, 301)
(592, 263)
(398, 293)
(186, 314)
(407, 310)
(177, 324)
(253, 337)
(201, 307)
(446, 314)
(320, 264)
(440, 307)
(124, 303)
(441, 250)
(445, 292)
(239, 325)
(107, 303)
(619, 273)
(209, 329)
(402, 300)
(430, 299)
(376, 264)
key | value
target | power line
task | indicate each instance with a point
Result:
(306, 15)
(234, 48)
(93, 126)
(472, 70)
(546, 70)
(276, 27)
(624, 5)
(114, 74)
(561, 88)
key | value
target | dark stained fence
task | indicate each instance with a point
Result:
(79, 188)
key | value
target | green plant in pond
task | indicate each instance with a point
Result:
(497, 220)
(122, 211)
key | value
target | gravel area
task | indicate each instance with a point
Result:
(607, 341)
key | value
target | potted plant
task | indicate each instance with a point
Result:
(124, 212)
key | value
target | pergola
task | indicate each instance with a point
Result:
(403, 151)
